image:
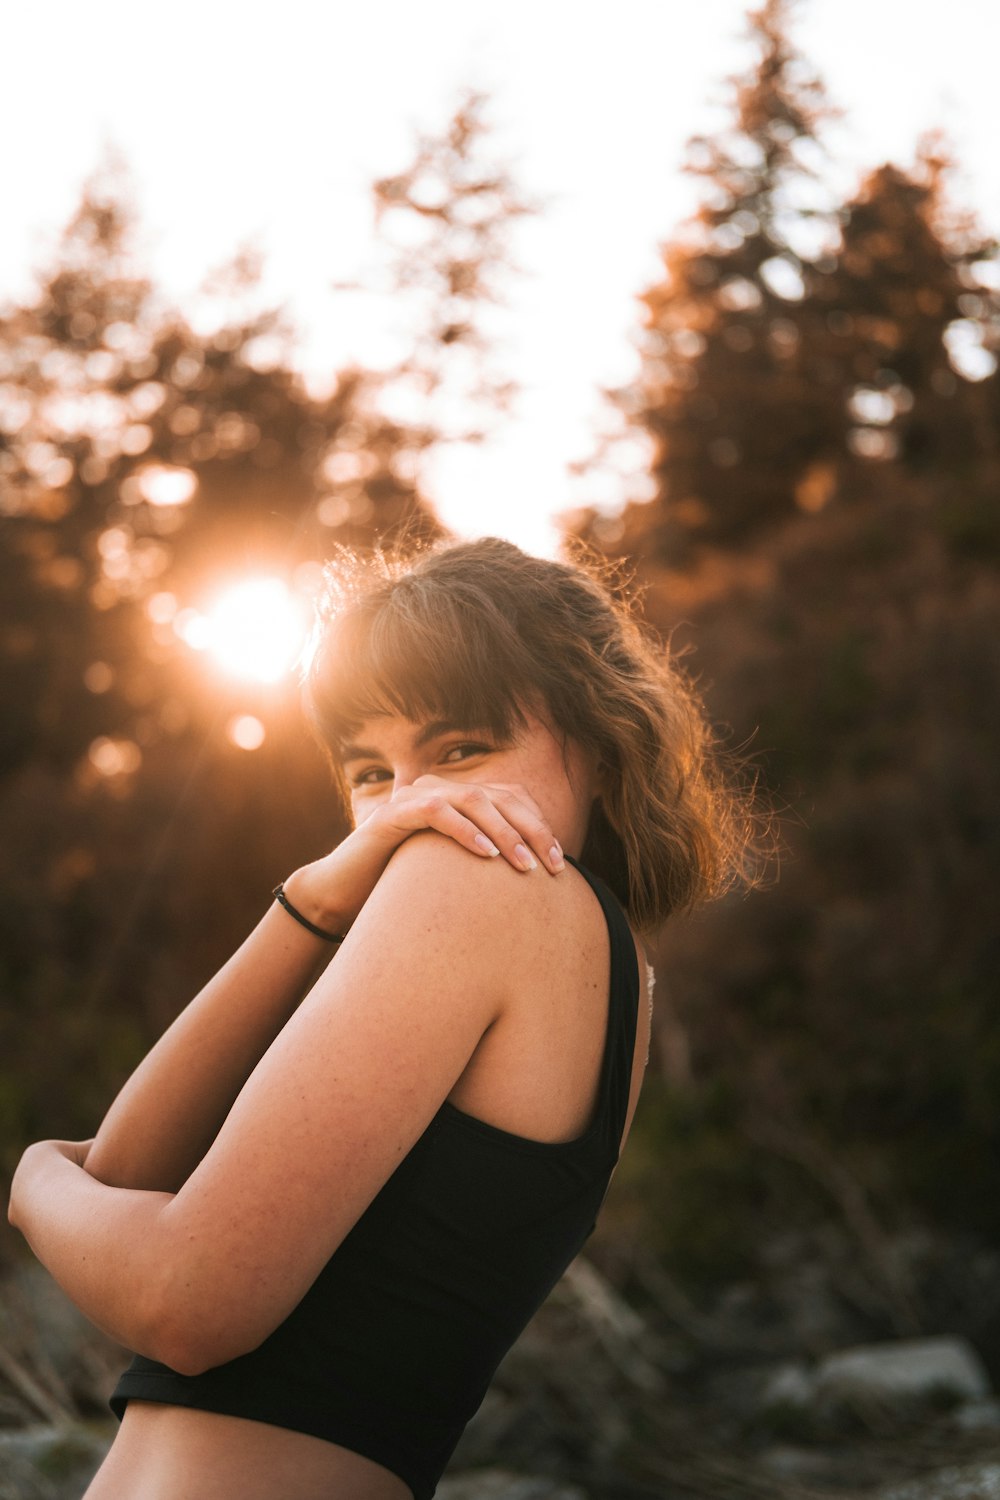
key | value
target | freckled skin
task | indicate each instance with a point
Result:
(562, 780)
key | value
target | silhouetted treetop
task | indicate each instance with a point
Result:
(794, 346)
(447, 220)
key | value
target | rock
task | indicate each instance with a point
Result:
(49, 1462)
(807, 1465)
(784, 1405)
(504, 1429)
(978, 1416)
(819, 1294)
(498, 1484)
(893, 1382)
(962, 1482)
(789, 1386)
(906, 1372)
(566, 1393)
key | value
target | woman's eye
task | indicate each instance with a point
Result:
(457, 753)
(371, 777)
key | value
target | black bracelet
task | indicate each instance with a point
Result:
(279, 895)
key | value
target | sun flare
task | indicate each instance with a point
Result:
(255, 630)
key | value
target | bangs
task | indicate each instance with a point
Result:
(422, 653)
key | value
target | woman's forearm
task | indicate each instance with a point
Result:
(170, 1110)
(104, 1247)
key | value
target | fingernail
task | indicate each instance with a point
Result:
(556, 856)
(487, 845)
(524, 858)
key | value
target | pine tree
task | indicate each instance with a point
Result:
(792, 352)
(895, 299)
(837, 566)
(446, 221)
(735, 406)
(845, 621)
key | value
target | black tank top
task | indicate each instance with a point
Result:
(392, 1349)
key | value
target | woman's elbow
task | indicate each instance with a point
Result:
(188, 1330)
(182, 1356)
(189, 1349)
(200, 1312)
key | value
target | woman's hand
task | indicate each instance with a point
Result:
(32, 1167)
(489, 820)
(486, 819)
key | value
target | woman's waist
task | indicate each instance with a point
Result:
(208, 1455)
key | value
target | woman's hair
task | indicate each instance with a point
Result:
(479, 633)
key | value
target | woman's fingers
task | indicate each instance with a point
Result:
(433, 810)
(522, 832)
(485, 819)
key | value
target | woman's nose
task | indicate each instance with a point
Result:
(405, 776)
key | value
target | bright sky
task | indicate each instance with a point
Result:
(248, 120)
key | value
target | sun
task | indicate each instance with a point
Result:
(255, 630)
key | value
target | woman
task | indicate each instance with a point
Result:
(322, 1221)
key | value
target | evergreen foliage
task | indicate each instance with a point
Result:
(448, 220)
(818, 391)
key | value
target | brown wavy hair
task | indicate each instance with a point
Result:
(478, 633)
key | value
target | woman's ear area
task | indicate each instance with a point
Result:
(602, 776)
(596, 772)
(580, 760)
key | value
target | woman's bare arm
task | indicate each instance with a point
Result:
(196, 1277)
(172, 1107)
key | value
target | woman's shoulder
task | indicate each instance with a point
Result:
(456, 890)
(430, 856)
(488, 900)
(436, 863)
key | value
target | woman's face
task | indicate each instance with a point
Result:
(389, 751)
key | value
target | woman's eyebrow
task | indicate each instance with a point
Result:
(357, 752)
(438, 727)
(429, 732)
